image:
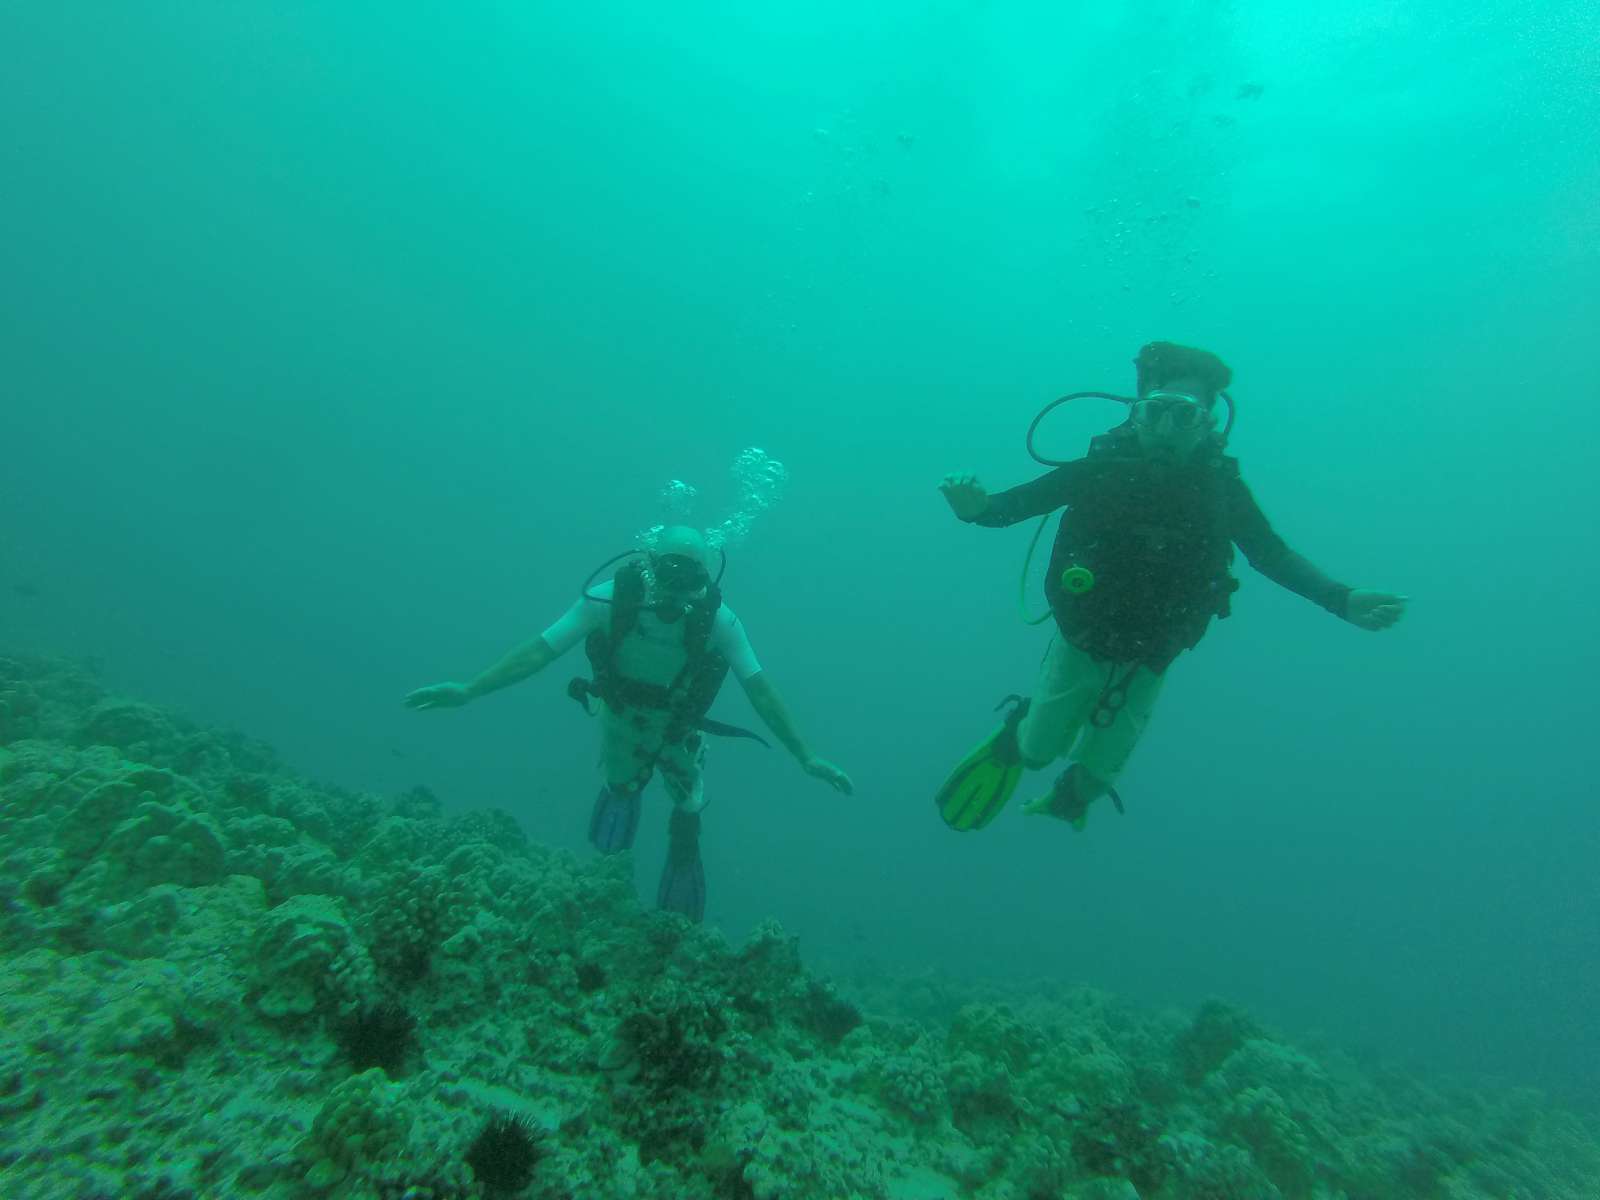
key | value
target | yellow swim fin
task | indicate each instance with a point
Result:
(983, 781)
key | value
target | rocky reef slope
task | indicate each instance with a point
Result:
(220, 980)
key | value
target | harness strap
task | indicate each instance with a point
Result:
(692, 689)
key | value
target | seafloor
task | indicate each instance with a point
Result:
(220, 980)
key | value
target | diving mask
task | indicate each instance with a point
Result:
(1180, 410)
(679, 573)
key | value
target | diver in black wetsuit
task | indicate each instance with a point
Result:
(1139, 568)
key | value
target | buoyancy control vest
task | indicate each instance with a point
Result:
(1156, 537)
(689, 696)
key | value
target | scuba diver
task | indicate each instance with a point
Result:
(1139, 568)
(660, 642)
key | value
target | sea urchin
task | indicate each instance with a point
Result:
(503, 1155)
(378, 1035)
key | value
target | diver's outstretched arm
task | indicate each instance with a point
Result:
(1270, 554)
(526, 660)
(971, 502)
(774, 713)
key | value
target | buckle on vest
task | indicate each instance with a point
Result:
(580, 689)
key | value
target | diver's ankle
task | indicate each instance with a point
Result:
(1089, 785)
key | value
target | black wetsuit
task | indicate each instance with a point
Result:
(1159, 538)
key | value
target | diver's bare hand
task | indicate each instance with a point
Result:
(821, 768)
(439, 695)
(965, 495)
(1374, 610)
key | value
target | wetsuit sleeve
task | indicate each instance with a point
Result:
(731, 641)
(1270, 554)
(1044, 494)
(574, 625)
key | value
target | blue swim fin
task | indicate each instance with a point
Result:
(615, 819)
(683, 878)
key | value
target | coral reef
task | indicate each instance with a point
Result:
(218, 979)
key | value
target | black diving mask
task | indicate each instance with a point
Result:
(680, 573)
(1183, 411)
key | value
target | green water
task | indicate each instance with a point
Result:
(340, 342)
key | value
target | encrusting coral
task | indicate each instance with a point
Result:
(218, 979)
